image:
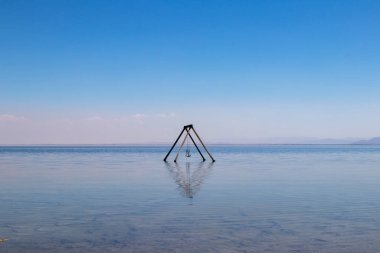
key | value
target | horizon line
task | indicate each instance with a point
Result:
(168, 144)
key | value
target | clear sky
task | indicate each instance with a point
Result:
(75, 71)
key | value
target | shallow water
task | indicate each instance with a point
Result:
(252, 199)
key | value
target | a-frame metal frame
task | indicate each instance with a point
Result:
(188, 128)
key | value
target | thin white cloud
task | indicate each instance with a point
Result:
(165, 115)
(142, 117)
(139, 116)
(157, 115)
(10, 117)
(94, 118)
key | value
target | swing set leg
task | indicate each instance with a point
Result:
(204, 159)
(204, 146)
(183, 142)
(179, 136)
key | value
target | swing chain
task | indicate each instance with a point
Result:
(188, 149)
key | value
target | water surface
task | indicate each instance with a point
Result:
(286, 198)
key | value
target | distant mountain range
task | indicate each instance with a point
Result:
(311, 141)
(373, 141)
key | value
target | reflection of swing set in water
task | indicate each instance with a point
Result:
(189, 181)
(188, 128)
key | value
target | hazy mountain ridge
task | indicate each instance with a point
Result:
(289, 140)
(372, 141)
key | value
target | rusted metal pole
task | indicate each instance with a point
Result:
(212, 158)
(204, 159)
(179, 150)
(179, 136)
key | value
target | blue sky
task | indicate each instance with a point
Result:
(136, 71)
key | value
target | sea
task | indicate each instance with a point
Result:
(253, 198)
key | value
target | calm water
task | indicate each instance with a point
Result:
(253, 199)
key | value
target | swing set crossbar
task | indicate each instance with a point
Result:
(188, 128)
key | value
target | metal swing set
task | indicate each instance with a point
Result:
(188, 128)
